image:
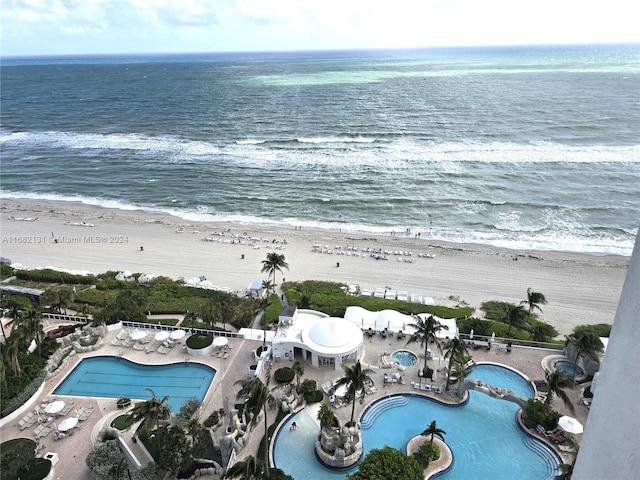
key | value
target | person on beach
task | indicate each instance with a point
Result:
(293, 427)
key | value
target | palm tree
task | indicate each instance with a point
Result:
(268, 286)
(460, 371)
(11, 351)
(557, 381)
(355, 379)
(454, 350)
(31, 326)
(514, 315)
(585, 342)
(150, 413)
(534, 300)
(275, 262)
(425, 332)
(258, 398)
(263, 304)
(433, 430)
(298, 369)
(252, 468)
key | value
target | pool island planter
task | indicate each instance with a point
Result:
(436, 467)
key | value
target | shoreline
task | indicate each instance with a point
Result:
(580, 288)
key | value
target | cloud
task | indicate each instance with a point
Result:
(121, 26)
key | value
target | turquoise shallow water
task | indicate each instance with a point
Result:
(523, 147)
(115, 377)
(483, 435)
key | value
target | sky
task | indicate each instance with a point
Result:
(76, 27)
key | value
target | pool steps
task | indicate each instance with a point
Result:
(550, 458)
(381, 406)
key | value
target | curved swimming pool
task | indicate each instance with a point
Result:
(483, 434)
(113, 377)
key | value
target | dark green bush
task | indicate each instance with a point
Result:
(427, 453)
(199, 341)
(537, 413)
(212, 420)
(53, 276)
(284, 375)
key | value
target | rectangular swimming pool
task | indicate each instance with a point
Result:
(113, 377)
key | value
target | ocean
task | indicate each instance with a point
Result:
(521, 147)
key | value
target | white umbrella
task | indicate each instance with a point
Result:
(162, 336)
(177, 334)
(137, 335)
(493, 337)
(471, 334)
(220, 341)
(55, 407)
(570, 425)
(67, 424)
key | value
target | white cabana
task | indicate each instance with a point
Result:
(319, 339)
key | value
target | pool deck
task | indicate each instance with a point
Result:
(73, 450)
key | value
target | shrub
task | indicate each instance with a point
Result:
(199, 341)
(48, 275)
(284, 375)
(122, 422)
(537, 413)
(212, 420)
(426, 453)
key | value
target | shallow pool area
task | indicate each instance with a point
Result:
(483, 434)
(114, 377)
(567, 367)
(405, 357)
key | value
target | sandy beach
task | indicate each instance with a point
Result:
(579, 288)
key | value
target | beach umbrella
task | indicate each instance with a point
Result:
(67, 424)
(177, 334)
(137, 335)
(162, 336)
(55, 407)
(570, 425)
(471, 334)
(220, 342)
(493, 337)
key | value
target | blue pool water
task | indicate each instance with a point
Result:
(567, 367)
(118, 377)
(483, 435)
(405, 357)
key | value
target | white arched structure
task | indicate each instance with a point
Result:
(317, 338)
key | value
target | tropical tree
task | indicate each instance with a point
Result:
(258, 398)
(388, 463)
(275, 262)
(534, 300)
(586, 342)
(263, 304)
(268, 286)
(355, 379)
(557, 381)
(425, 332)
(513, 315)
(11, 351)
(460, 371)
(298, 369)
(453, 350)
(252, 468)
(433, 431)
(325, 416)
(31, 327)
(151, 413)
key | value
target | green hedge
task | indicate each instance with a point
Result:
(53, 276)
